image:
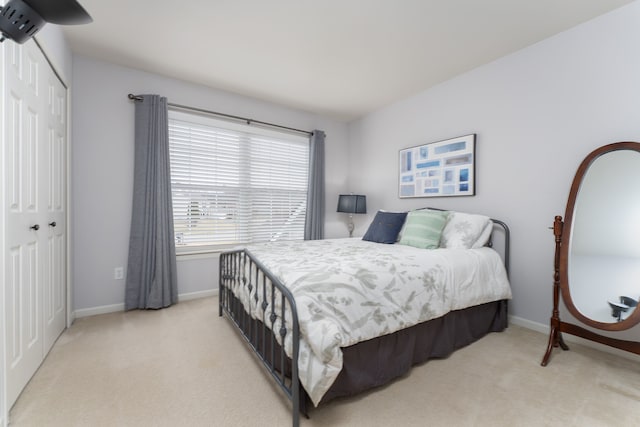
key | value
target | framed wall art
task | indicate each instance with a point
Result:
(437, 169)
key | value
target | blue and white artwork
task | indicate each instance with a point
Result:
(453, 160)
(448, 175)
(432, 164)
(407, 190)
(405, 162)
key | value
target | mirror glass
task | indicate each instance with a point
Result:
(604, 252)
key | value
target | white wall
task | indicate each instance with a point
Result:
(102, 172)
(537, 113)
(53, 43)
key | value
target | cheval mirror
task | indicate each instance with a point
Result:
(597, 258)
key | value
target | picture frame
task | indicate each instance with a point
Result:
(438, 169)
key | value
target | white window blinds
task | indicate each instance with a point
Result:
(235, 183)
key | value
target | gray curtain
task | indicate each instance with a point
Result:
(151, 273)
(314, 223)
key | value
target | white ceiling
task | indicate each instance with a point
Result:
(340, 58)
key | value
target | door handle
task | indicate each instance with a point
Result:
(35, 227)
(52, 224)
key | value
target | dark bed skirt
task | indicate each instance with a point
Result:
(378, 361)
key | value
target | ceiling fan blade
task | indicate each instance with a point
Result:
(63, 12)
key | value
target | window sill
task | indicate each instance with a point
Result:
(198, 254)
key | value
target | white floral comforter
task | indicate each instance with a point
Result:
(350, 290)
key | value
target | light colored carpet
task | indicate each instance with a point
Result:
(185, 366)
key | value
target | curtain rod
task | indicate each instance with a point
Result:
(229, 116)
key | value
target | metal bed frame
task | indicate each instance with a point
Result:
(241, 268)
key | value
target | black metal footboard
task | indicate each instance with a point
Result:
(244, 279)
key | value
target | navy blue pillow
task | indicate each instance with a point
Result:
(385, 227)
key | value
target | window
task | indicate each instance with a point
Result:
(233, 183)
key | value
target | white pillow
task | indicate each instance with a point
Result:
(484, 236)
(465, 231)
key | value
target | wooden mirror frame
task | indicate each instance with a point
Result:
(562, 233)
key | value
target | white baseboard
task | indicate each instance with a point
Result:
(93, 311)
(196, 295)
(113, 308)
(544, 329)
(538, 327)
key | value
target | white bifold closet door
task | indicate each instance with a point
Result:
(34, 172)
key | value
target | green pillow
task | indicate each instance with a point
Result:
(423, 228)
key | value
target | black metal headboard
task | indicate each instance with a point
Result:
(507, 238)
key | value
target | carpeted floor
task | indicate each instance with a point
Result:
(185, 366)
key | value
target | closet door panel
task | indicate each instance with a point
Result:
(35, 279)
(55, 291)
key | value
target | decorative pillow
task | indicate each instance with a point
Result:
(484, 236)
(385, 227)
(463, 230)
(423, 228)
(405, 223)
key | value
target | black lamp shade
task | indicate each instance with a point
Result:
(352, 203)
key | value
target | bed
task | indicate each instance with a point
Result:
(336, 317)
